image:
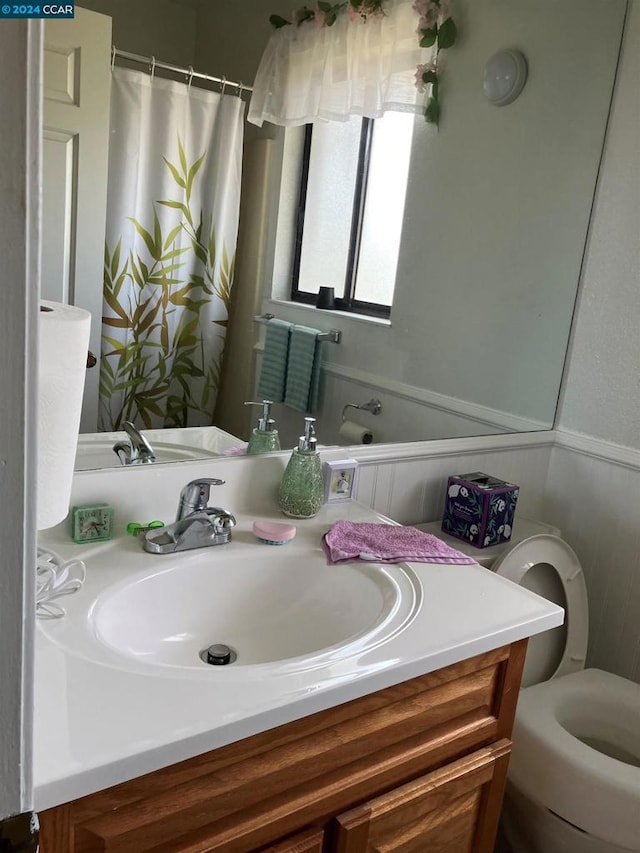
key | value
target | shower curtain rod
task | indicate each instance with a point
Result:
(189, 73)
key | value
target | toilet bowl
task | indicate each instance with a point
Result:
(574, 774)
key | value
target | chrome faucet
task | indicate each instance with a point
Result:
(197, 525)
(136, 451)
(194, 497)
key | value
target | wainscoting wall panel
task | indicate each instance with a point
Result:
(593, 495)
(411, 489)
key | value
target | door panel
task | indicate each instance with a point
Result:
(439, 812)
(59, 158)
(77, 83)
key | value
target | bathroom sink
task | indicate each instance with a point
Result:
(287, 607)
(95, 450)
(99, 454)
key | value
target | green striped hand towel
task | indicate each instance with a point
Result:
(303, 371)
(273, 372)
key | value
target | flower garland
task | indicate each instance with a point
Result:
(436, 28)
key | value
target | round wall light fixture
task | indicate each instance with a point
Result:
(504, 77)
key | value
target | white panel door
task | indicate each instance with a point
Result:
(77, 81)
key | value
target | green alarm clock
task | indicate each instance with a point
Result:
(91, 523)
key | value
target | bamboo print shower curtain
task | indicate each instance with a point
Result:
(172, 220)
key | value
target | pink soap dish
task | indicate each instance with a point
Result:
(274, 532)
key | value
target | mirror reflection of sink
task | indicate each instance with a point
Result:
(267, 610)
(95, 450)
(100, 454)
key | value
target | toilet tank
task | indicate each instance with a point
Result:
(523, 528)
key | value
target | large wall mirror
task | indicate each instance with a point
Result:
(495, 224)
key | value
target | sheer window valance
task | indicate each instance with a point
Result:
(353, 67)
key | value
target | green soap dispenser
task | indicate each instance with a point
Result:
(264, 437)
(302, 488)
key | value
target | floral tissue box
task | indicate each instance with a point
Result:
(479, 509)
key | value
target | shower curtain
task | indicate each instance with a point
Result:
(175, 162)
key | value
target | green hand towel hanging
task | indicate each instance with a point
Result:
(303, 371)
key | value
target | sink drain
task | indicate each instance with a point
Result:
(218, 655)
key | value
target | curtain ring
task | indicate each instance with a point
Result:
(113, 57)
(223, 85)
(191, 73)
(240, 89)
(152, 69)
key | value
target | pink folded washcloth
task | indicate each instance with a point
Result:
(236, 450)
(387, 543)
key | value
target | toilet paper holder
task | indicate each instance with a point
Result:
(374, 406)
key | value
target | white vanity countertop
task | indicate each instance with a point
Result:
(98, 724)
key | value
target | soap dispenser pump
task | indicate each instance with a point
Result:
(302, 488)
(264, 438)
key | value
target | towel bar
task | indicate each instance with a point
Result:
(334, 336)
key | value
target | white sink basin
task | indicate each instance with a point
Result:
(99, 454)
(277, 606)
(95, 450)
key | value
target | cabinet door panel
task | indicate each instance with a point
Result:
(438, 812)
(310, 841)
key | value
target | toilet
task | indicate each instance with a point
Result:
(574, 773)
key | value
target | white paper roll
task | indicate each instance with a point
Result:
(63, 332)
(353, 433)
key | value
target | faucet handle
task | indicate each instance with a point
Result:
(194, 497)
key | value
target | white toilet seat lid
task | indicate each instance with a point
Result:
(541, 549)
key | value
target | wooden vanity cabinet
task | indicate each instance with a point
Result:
(438, 811)
(419, 766)
(311, 841)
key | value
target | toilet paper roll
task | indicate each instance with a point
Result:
(353, 433)
(63, 333)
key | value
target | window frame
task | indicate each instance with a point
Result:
(348, 302)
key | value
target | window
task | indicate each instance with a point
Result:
(351, 205)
